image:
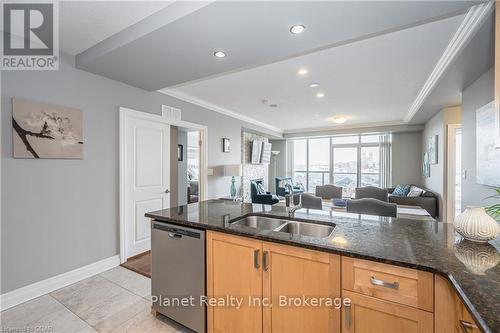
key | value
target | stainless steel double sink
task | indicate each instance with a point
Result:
(292, 227)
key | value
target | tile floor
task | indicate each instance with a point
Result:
(113, 301)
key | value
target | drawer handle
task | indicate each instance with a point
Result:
(256, 263)
(348, 316)
(381, 283)
(265, 259)
(465, 326)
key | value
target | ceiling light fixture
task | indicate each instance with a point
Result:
(297, 29)
(313, 85)
(338, 120)
(220, 54)
(320, 95)
(303, 71)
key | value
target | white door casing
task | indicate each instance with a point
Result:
(147, 179)
(128, 211)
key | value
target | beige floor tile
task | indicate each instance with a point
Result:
(115, 311)
(125, 278)
(61, 321)
(86, 294)
(87, 329)
(31, 311)
(147, 322)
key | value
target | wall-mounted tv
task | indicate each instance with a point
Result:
(261, 152)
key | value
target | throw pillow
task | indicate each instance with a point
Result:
(261, 188)
(401, 190)
(415, 192)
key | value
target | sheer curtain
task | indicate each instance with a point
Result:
(385, 160)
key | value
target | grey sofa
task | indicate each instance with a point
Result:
(428, 201)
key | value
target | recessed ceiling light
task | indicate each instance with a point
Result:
(303, 71)
(320, 95)
(220, 54)
(313, 85)
(338, 120)
(297, 29)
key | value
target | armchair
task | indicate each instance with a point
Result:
(282, 191)
(261, 196)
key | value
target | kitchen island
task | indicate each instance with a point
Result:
(422, 246)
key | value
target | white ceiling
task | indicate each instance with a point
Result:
(83, 24)
(370, 81)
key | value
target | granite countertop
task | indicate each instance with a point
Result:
(424, 245)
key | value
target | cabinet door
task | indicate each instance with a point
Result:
(451, 314)
(292, 275)
(370, 315)
(233, 270)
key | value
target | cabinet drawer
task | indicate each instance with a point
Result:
(401, 285)
(370, 315)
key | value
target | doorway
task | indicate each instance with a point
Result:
(184, 166)
(454, 172)
(145, 174)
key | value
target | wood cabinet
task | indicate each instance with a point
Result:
(232, 271)
(451, 315)
(277, 284)
(370, 315)
(397, 284)
(293, 279)
(273, 276)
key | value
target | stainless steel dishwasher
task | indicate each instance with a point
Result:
(178, 272)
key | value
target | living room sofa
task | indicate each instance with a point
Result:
(428, 200)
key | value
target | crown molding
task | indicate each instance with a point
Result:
(472, 22)
(392, 126)
(210, 106)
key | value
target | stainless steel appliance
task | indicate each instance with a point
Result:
(177, 273)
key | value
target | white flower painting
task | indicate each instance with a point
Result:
(46, 131)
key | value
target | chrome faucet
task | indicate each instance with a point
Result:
(290, 202)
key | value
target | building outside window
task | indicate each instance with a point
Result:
(346, 161)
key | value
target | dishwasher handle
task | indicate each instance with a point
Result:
(177, 232)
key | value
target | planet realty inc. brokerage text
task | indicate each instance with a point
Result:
(237, 302)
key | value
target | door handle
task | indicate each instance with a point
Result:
(173, 235)
(167, 191)
(256, 263)
(381, 283)
(265, 258)
(348, 316)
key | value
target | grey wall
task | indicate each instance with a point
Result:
(478, 94)
(278, 163)
(182, 180)
(407, 158)
(59, 215)
(437, 125)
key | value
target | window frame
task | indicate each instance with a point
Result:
(331, 173)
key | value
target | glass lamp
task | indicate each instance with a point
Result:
(232, 170)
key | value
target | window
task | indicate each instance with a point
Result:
(319, 163)
(345, 169)
(311, 163)
(347, 161)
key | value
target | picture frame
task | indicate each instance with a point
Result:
(46, 131)
(432, 149)
(426, 168)
(180, 153)
(226, 145)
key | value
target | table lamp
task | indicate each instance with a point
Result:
(233, 170)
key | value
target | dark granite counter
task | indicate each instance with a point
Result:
(471, 268)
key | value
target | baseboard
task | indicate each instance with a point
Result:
(37, 289)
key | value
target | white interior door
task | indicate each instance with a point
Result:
(147, 179)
